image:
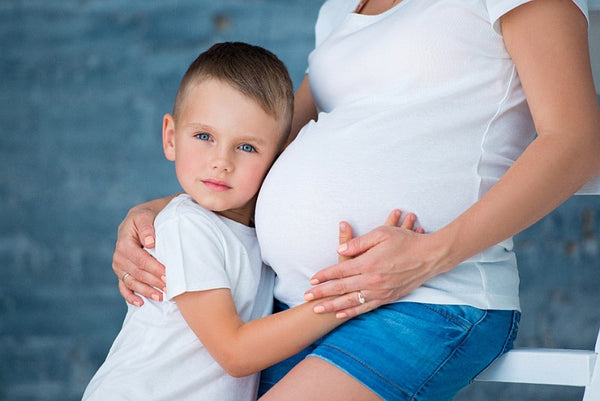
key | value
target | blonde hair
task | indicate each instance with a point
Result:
(253, 70)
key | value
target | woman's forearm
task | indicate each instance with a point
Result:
(155, 206)
(549, 171)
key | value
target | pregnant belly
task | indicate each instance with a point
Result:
(317, 182)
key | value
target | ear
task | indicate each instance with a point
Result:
(168, 135)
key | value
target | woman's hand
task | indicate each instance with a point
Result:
(136, 269)
(371, 271)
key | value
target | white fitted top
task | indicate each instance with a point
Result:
(421, 109)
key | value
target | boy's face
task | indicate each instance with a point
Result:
(222, 144)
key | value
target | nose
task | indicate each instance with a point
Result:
(222, 161)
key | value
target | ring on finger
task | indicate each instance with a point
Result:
(124, 276)
(361, 298)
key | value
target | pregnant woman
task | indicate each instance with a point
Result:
(430, 106)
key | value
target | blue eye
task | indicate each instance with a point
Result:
(203, 136)
(247, 148)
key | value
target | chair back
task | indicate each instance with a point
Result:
(592, 187)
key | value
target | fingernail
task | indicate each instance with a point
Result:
(319, 309)
(397, 212)
(137, 303)
(342, 248)
(155, 297)
(164, 279)
(309, 296)
(149, 241)
(164, 289)
(342, 227)
(314, 281)
(341, 315)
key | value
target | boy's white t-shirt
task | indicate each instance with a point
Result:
(420, 108)
(156, 356)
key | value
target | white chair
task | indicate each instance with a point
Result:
(564, 367)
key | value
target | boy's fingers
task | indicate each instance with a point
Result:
(409, 221)
(393, 218)
(345, 235)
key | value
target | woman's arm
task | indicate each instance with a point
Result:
(549, 45)
(246, 348)
(304, 108)
(146, 274)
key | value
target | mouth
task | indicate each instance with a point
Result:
(216, 185)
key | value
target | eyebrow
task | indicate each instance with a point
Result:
(199, 126)
(254, 139)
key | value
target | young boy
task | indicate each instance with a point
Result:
(231, 117)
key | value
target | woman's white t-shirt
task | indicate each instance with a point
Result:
(420, 108)
(156, 355)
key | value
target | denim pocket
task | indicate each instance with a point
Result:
(463, 315)
(512, 334)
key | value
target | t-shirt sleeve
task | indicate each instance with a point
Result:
(331, 14)
(190, 247)
(497, 8)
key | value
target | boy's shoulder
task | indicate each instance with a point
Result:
(184, 207)
(184, 215)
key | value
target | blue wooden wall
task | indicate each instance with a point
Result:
(83, 87)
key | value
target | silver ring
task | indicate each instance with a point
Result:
(124, 276)
(361, 299)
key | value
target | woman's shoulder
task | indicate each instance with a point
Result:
(333, 11)
(343, 6)
(497, 8)
(332, 14)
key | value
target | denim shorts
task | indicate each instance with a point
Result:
(411, 351)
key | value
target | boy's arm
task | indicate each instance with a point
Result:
(246, 348)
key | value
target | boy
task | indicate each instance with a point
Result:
(230, 120)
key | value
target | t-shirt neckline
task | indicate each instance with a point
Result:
(377, 16)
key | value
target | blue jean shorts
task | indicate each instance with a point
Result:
(411, 351)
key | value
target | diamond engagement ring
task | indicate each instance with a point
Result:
(361, 299)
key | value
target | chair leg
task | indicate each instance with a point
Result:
(592, 391)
